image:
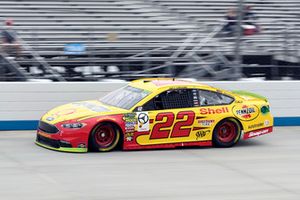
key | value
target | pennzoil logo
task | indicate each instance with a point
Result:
(245, 112)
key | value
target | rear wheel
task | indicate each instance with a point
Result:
(227, 133)
(104, 137)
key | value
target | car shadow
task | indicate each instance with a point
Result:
(240, 144)
(248, 143)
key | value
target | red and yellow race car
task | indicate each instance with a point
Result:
(156, 113)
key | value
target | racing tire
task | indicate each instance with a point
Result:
(227, 133)
(104, 137)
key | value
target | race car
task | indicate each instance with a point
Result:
(156, 113)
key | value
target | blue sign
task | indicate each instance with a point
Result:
(74, 49)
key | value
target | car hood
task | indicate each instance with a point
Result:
(79, 110)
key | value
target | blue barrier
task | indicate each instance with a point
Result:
(18, 125)
(287, 121)
(32, 124)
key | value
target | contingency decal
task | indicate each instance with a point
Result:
(129, 137)
(143, 121)
(206, 122)
(196, 100)
(130, 126)
(245, 112)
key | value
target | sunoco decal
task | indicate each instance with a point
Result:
(246, 112)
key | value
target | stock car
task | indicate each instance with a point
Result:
(156, 113)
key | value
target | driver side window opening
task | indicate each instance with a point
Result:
(170, 99)
(186, 98)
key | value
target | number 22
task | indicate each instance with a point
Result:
(162, 128)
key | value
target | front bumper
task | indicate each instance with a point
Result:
(56, 145)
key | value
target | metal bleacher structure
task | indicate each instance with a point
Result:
(146, 38)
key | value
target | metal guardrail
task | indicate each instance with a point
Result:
(186, 48)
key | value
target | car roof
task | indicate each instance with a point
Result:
(153, 84)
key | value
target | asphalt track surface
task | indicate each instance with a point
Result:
(267, 167)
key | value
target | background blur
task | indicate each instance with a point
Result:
(93, 40)
(111, 40)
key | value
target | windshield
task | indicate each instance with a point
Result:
(125, 97)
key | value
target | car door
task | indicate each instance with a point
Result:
(169, 118)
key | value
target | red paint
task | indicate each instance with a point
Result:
(170, 146)
(81, 135)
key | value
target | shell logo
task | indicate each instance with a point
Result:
(246, 112)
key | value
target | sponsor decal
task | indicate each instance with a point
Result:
(130, 126)
(81, 145)
(129, 137)
(90, 106)
(143, 121)
(206, 122)
(257, 132)
(201, 134)
(245, 112)
(265, 110)
(210, 111)
(129, 117)
(253, 126)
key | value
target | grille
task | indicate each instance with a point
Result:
(52, 143)
(47, 128)
(48, 141)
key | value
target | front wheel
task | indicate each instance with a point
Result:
(227, 133)
(104, 137)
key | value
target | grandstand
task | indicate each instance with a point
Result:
(144, 37)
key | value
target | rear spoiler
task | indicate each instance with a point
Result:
(246, 93)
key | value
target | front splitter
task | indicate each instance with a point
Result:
(63, 149)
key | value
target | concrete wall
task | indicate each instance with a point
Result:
(29, 101)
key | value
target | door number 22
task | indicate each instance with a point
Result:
(164, 122)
